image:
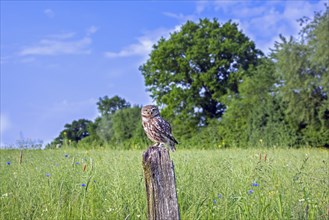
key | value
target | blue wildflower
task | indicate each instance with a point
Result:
(94, 181)
(250, 191)
(215, 201)
(8, 162)
(47, 174)
(77, 163)
(255, 184)
(83, 185)
(219, 196)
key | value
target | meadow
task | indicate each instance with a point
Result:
(211, 184)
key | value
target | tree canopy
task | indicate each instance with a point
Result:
(107, 106)
(189, 72)
(73, 132)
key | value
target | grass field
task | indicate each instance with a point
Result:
(213, 184)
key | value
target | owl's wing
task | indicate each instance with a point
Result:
(164, 127)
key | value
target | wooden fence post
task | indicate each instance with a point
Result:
(160, 184)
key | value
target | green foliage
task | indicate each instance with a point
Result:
(303, 71)
(72, 133)
(127, 128)
(108, 106)
(119, 127)
(190, 71)
(213, 184)
(254, 117)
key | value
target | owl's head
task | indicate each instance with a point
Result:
(150, 111)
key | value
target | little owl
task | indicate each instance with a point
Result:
(156, 128)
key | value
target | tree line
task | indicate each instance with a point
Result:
(218, 90)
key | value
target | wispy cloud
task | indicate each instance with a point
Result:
(143, 46)
(62, 36)
(59, 44)
(49, 13)
(91, 30)
(264, 21)
(4, 123)
(180, 17)
(57, 47)
(200, 6)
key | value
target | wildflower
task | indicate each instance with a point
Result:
(250, 191)
(77, 163)
(94, 181)
(5, 195)
(47, 174)
(8, 162)
(255, 184)
(219, 196)
(66, 155)
(215, 201)
(83, 185)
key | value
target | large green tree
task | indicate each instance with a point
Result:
(73, 132)
(255, 117)
(188, 72)
(302, 66)
(107, 106)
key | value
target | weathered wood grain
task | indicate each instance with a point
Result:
(160, 184)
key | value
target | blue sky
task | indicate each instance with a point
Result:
(58, 57)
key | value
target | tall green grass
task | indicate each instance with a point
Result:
(212, 184)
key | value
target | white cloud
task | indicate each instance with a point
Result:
(201, 6)
(49, 13)
(4, 123)
(62, 36)
(63, 43)
(143, 46)
(180, 17)
(91, 30)
(57, 47)
(263, 21)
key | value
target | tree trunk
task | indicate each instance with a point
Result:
(160, 184)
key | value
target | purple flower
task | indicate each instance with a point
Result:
(47, 174)
(215, 201)
(255, 184)
(77, 163)
(83, 185)
(250, 191)
(219, 196)
(8, 163)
